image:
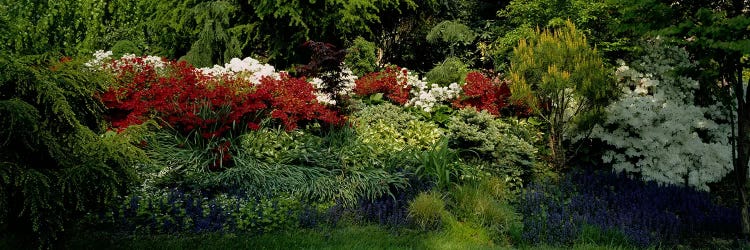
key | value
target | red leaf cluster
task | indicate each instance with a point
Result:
(190, 101)
(391, 82)
(293, 101)
(482, 93)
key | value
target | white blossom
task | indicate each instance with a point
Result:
(658, 131)
(248, 68)
(99, 57)
(425, 95)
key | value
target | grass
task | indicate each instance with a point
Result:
(457, 235)
(351, 237)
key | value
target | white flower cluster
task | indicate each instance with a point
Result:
(657, 129)
(249, 68)
(426, 95)
(101, 57)
(347, 88)
(155, 61)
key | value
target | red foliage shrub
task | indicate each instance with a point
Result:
(391, 82)
(482, 93)
(190, 101)
(293, 101)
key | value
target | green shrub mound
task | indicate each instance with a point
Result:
(451, 70)
(506, 149)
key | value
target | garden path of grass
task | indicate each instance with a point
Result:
(349, 237)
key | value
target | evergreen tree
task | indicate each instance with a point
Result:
(562, 80)
(54, 163)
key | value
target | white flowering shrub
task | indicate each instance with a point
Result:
(249, 68)
(657, 131)
(425, 95)
(100, 56)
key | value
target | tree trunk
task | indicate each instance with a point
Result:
(743, 150)
(557, 134)
(740, 167)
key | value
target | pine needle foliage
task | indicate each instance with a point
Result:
(53, 164)
(562, 80)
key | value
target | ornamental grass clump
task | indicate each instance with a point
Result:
(486, 203)
(427, 210)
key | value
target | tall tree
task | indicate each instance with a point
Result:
(563, 80)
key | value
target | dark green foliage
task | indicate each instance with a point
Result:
(216, 39)
(451, 70)
(53, 164)
(326, 20)
(595, 19)
(362, 57)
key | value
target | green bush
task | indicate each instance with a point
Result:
(361, 57)
(506, 150)
(427, 210)
(388, 128)
(125, 47)
(449, 71)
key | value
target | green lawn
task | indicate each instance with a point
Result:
(349, 237)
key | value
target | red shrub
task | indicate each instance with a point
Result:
(481, 93)
(190, 101)
(391, 82)
(293, 101)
